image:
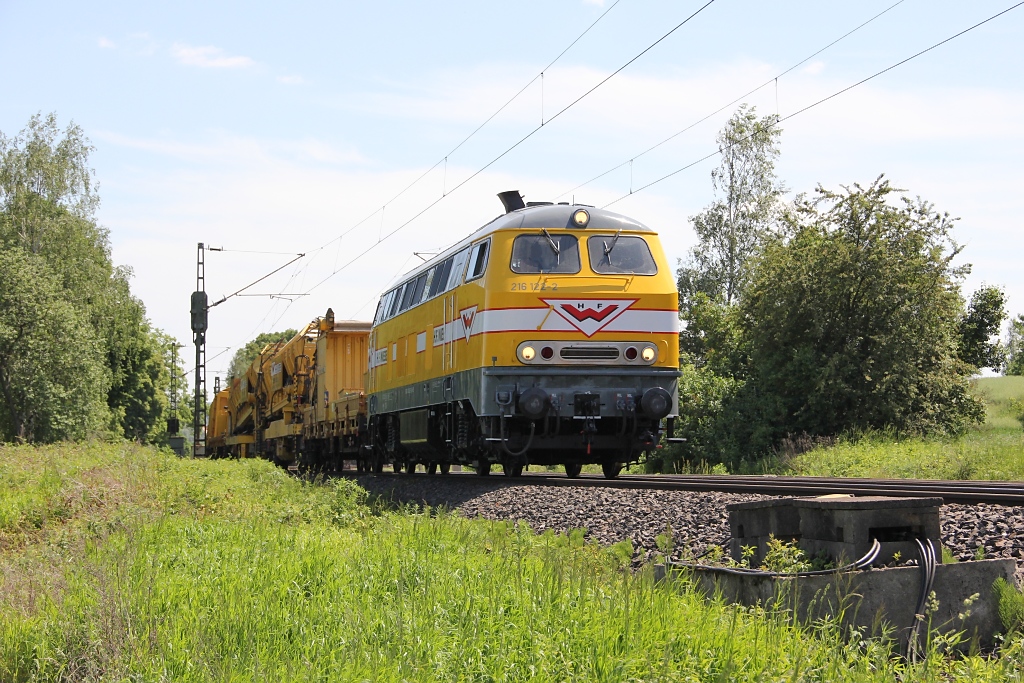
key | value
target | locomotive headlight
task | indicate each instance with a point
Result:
(528, 353)
(648, 354)
(581, 217)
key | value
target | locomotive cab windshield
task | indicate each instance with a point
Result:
(545, 253)
(621, 255)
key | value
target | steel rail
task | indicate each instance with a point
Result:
(967, 492)
(972, 492)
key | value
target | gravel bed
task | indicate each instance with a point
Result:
(697, 519)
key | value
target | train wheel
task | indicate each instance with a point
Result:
(432, 468)
(573, 469)
(397, 467)
(513, 470)
(378, 465)
(611, 469)
(446, 467)
(483, 469)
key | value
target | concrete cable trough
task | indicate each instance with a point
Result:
(902, 601)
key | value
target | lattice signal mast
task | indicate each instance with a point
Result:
(200, 319)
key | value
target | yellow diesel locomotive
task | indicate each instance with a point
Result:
(549, 336)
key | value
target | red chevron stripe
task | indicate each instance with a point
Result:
(588, 313)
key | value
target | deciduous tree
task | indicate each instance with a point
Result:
(52, 378)
(1015, 347)
(732, 229)
(48, 199)
(851, 320)
(979, 329)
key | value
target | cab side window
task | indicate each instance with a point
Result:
(393, 308)
(458, 267)
(437, 285)
(477, 261)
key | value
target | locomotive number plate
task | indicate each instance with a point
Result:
(534, 286)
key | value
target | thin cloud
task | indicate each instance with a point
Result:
(291, 80)
(208, 57)
(142, 44)
(814, 68)
(240, 151)
(105, 43)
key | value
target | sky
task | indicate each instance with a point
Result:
(345, 130)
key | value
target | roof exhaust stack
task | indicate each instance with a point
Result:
(511, 200)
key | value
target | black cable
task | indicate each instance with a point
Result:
(777, 121)
(864, 562)
(504, 439)
(927, 561)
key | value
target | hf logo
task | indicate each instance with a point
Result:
(589, 316)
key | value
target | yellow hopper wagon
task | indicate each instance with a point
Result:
(334, 416)
(217, 429)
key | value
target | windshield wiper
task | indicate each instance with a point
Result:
(554, 246)
(608, 247)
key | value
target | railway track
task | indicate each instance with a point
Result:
(968, 492)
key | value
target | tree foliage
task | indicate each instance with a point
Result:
(48, 200)
(732, 229)
(851, 320)
(244, 356)
(979, 329)
(1015, 347)
(52, 389)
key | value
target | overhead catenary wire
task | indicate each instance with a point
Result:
(444, 160)
(254, 282)
(802, 110)
(774, 79)
(382, 237)
(526, 137)
(251, 251)
(269, 311)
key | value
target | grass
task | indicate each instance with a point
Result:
(125, 563)
(993, 450)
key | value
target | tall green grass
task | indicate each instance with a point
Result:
(121, 563)
(993, 450)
